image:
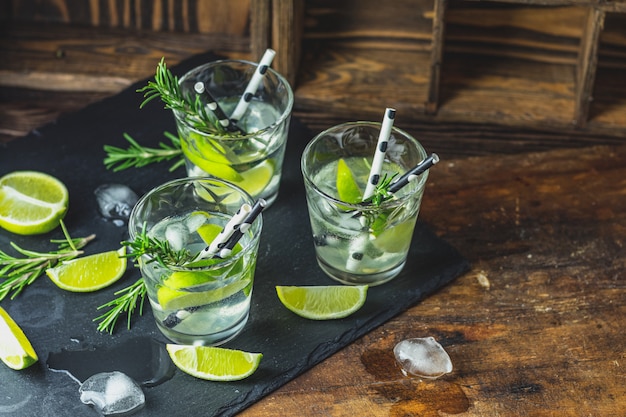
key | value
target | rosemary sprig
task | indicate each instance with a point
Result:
(381, 192)
(166, 87)
(17, 273)
(157, 250)
(126, 302)
(128, 298)
(138, 156)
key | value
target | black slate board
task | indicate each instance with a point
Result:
(71, 150)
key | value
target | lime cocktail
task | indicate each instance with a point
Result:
(359, 242)
(249, 150)
(199, 301)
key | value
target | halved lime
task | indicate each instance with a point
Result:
(322, 302)
(31, 202)
(89, 273)
(214, 363)
(347, 187)
(15, 348)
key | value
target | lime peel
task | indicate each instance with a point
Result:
(31, 202)
(322, 302)
(15, 348)
(214, 363)
(89, 273)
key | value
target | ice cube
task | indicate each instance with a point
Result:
(112, 393)
(195, 220)
(176, 234)
(423, 357)
(115, 201)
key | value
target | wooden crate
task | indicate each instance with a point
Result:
(528, 63)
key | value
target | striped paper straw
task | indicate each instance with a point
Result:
(413, 173)
(257, 208)
(258, 75)
(220, 240)
(212, 104)
(379, 155)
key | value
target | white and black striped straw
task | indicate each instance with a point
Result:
(213, 105)
(257, 208)
(413, 173)
(379, 155)
(252, 86)
(222, 238)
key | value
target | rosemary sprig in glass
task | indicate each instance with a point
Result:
(138, 156)
(18, 272)
(128, 298)
(381, 192)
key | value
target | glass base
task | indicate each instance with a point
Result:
(213, 339)
(360, 279)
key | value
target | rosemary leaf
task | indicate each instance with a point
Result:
(125, 303)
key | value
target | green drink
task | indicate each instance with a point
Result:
(355, 242)
(204, 301)
(248, 151)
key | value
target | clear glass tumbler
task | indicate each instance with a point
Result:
(250, 156)
(355, 242)
(203, 301)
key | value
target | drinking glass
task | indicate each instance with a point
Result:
(199, 301)
(355, 242)
(251, 157)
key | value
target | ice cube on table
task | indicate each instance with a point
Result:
(115, 201)
(112, 393)
(423, 357)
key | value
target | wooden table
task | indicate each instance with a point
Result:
(536, 327)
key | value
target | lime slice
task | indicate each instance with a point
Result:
(256, 179)
(214, 363)
(89, 273)
(15, 349)
(220, 169)
(176, 299)
(347, 187)
(31, 202)
(322, 302)
(395, 239)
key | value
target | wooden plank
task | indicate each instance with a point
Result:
(587, 64)
(287, 29)
(260, 27)
(436, 55)
(535, 329)
(190, 16)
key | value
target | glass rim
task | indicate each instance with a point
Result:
(365, 208)
(256, 228)
(280, 120)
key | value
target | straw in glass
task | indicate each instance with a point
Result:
(379, 155)
(257, 208)
(213, 105)
(413, 173)
(220, 240)
(357, 245)
(253, 85)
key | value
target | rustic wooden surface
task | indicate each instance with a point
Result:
(536, 327)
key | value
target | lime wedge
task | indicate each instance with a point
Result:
(15, 348)
(221, 168)
(256, 179)
(214, 363)
(89, 273)
(395, 239)
(347, 187)
(31, 202)
(322, 302)
(177, 299)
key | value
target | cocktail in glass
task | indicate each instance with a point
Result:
(248, 151)
(201, 301)
(356, 241)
